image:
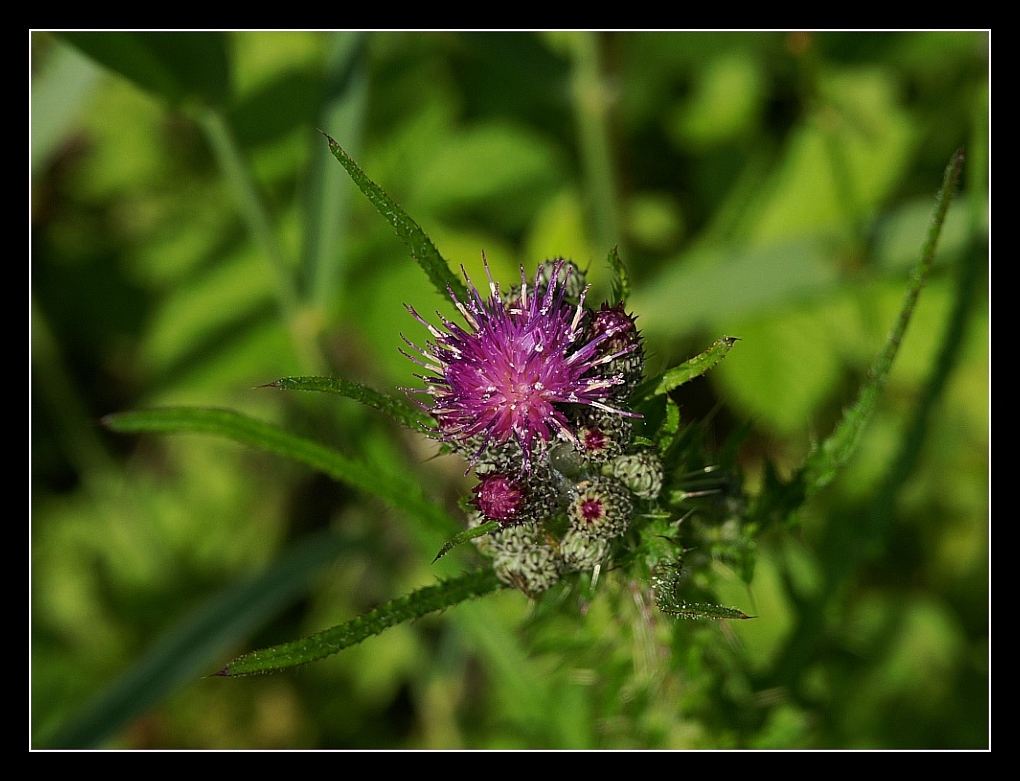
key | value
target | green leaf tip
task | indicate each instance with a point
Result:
(410, 232)
(686, 371)
(464, 536)
(698, 610)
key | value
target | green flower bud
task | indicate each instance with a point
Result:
(601, 508)
(640, 472)
(622, 347)
(581, 552)
(523, 558)
(574, 280)
(601, 436)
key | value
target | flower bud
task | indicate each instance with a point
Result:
(499, 497)
(574, 280)
(523, 558)
(580, 551)
(513, 498)
(601, 436)
(622, 347)
(640, 472)
(601, 508)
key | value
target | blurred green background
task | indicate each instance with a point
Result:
(776, 187)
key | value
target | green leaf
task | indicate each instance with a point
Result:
(704, 610)
(326, 643)
(421, 246)
(667, 586)
(249, 431)
(720, 282)
(194, 644)
(686, 371)
(464, 536)
(621, 282)
(670, 429)
(393, 407)
(178, 67)
(823, 463)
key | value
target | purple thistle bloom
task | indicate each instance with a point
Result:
(508, 375)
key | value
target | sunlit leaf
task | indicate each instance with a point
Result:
(686, 371)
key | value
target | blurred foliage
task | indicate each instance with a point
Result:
(771, 186)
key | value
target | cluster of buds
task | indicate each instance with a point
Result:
(534, 393)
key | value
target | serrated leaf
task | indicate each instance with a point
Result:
(621, 282)
(822, 464)
(421, 246)
(670, 426)
(326, 643)
(265, 436)
(370, 397)
(667, 597)
(704, 610)
(686, 371)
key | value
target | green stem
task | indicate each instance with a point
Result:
(256, 217)
(75, 424)
(593, 99)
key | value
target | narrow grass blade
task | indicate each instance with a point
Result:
(327, 213)
(370, 397)
(249, 431)
(406, 608)
(421, 246)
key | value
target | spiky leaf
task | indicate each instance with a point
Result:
(686, 371)
(406, 608)
(370, 397)
(421, 246)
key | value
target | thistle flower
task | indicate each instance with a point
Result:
(507, 376)
(601, 436)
